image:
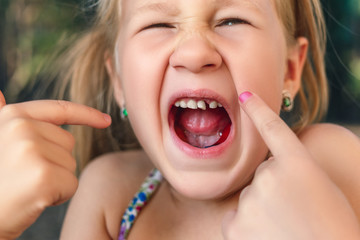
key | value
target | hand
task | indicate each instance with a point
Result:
(290, 197)
(36, 165)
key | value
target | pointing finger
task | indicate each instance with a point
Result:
(280, 139)
(62, 113)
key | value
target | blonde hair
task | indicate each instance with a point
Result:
(306, 20)
(84, 80)
(87, 82)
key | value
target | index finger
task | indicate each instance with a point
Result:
(60, 112)
(280, 139)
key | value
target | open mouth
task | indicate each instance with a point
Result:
(201, 123)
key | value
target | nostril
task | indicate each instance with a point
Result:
(195, 54)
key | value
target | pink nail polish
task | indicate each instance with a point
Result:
(107, 118)
(244, 96)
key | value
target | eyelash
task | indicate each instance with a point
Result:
(231, 21)
(158, 25)
(225, 22)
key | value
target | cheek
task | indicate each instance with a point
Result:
(136, 70)
(142, 74)
(141, 77)
(260, 69)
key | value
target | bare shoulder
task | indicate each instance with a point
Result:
(330, 139)
(106, 186)
(117, 167)
(337, 151)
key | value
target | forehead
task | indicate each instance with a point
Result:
(172, 7)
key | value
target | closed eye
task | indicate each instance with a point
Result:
(158, 25)
(231, 22)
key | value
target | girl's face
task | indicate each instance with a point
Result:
(182, 65)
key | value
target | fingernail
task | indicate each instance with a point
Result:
(245, 96)
(107, 118)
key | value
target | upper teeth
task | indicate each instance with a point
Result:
(197, 104)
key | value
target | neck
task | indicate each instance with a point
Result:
(201, 218)
(196, 206)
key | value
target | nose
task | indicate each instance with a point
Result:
(196, 54)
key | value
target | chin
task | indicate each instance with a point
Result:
(206, 186)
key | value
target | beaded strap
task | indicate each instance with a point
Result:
(147, 189)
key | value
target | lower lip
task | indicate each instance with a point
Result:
(200, 153)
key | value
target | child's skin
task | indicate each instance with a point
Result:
(204, 52)
(200, 51)
(290, 182)
(36, 165)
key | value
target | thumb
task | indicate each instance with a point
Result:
(2, 100)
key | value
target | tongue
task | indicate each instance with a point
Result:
(203, 122)
(203, 128)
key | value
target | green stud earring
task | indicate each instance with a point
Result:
(287, 102)
(123, 113)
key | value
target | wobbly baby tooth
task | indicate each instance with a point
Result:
(201, 104)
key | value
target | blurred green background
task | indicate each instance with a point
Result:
(30, 30)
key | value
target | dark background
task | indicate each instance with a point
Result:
(30, 30)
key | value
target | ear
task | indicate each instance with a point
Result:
(115, 80)
(295, 63)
